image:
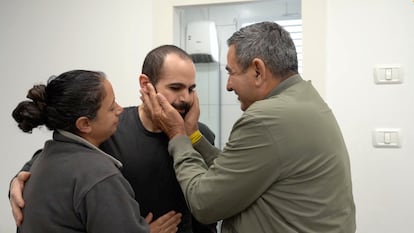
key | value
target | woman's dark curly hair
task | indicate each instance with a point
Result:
(62, 101)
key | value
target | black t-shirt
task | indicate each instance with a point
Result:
(148, 167)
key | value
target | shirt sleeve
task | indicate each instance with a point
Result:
(26, 167)
(109, 206)
(207, 133)
(237, 177)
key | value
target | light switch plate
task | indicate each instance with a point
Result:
(386, 138)
(388, 74)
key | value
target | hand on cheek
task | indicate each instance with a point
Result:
(192, 117)
(163, 114)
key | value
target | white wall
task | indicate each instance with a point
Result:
(44, 37)
(361, 34)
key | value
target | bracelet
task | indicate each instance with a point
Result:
(195, 137)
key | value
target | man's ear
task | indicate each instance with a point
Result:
(143, 81)
(83, 125)
(260, 68)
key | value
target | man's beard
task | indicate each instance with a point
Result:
(182, 108)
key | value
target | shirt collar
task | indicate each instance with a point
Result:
(88, 144)
(285, 84)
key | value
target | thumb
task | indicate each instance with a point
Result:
(165, 105)
(168, 111)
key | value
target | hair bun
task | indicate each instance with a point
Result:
(30, 114)
(38, 94)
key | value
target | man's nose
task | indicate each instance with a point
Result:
(120, 109)
(228, 86)
(184, 96)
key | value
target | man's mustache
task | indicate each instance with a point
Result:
(182, 106)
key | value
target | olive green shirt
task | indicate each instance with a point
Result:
(285, 168)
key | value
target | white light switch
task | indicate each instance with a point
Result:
(385, 137)
(387, 74)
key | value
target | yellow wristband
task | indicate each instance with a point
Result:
(195, 137)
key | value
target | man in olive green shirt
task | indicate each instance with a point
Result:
(285, 167)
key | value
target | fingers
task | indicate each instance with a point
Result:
(195, 109)
(168, 223)
(151, 105)
(171, 218)
(191, 119)
(171, 225)
(163, 114)
(17, 212)
(156, 101)
(16, 196)
(166, 107)
(195, 99)
(149, 217)
(16, 193)
(23, 176)
(148, 96)
(17, 186)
